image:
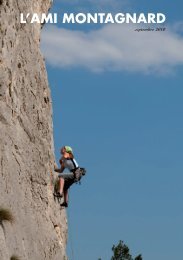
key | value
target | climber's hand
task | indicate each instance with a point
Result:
(55, 167)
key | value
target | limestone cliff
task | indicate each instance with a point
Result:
(26, 141)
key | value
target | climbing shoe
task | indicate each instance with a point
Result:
(64, 204)
(58, 194)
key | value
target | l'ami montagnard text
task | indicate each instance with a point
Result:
(101, 18)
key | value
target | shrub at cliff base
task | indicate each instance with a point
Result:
(6, 215)
(14, 257)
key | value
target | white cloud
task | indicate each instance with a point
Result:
(95, 5)
(113, 48)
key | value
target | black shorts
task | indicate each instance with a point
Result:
(68, 178)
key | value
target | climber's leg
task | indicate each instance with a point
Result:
(66, 196)
(61, 186)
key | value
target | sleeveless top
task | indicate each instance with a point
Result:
(70, 164)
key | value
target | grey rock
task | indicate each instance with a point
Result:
(26, 141)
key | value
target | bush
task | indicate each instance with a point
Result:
(6, 215)
(14, 257)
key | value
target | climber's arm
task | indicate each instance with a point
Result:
(61, 169)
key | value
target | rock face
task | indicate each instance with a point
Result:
(26, 141)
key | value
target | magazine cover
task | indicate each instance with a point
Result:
(91, 130)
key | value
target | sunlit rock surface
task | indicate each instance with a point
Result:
(26, 141)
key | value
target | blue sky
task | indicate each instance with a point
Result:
(117, 100)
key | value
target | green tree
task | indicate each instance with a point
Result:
(122, 252)
(139, 257)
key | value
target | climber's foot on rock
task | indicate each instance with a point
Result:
(58, 194)
(64, 204)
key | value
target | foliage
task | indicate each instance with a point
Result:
(139, 257)
(6, 215)
(14, 257)
(122, 252)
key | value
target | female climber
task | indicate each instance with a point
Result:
(67, 161)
